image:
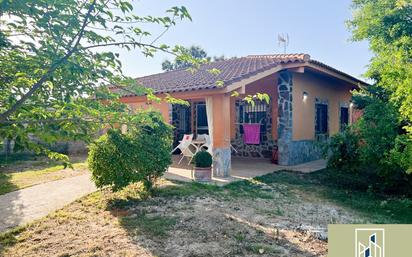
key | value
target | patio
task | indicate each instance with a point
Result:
(241, 169)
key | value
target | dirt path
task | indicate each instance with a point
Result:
(23, 206)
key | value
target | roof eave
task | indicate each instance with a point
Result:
(335, 73)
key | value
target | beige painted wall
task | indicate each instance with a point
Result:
(324, 88)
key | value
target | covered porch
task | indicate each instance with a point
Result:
(225, 118)
(241, 168)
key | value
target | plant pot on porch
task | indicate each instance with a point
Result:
(202, 174)
(203, 167)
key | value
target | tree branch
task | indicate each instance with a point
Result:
(74, 120)
(4, 116)
(163, 32)
(130, 43)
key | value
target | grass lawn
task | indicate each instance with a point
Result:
(279, 214)
(11, 180)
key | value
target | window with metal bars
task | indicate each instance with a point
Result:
(344, 117)
(257, 113)
(321, 121)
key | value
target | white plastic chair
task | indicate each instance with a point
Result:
(185, 142)
(189, 152)
(208, 143)
(186, 147)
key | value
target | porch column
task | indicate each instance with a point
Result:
(285, 85)
(221, 135)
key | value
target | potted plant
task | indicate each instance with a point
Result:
(203, 166)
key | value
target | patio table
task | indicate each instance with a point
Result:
(198, 143)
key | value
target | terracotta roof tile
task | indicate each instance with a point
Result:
(231, 70)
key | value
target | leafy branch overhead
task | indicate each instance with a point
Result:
(387, 25)
(56, 56)
(250, 99)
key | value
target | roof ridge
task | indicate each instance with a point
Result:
(184, 69)
(303, 56)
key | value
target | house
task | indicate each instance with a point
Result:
(309, 101)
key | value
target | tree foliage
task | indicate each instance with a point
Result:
(196, 52)
(387, 25)
(376, 150)
(378, 147)
(178, 63)
(54, 59)
(140, 155)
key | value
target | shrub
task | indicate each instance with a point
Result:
(378, 129)
(343, 150)
(140, 155)
(202, 159)
(401, 154)
(375, 153)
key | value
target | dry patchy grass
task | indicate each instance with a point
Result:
(181, 220)
(281, 214)
(12, 181)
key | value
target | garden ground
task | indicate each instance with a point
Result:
(29, 171)
(279, 214)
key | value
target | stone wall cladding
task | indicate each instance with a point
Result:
(304, 151)
(264, 149)
(285, 84)
(291, 152)
(221, 162)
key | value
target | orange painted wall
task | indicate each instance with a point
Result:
(324, 88)
(137, 103)
(227, 112)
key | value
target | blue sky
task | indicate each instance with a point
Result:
(240, 28)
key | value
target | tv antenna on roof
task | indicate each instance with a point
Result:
(283, 40)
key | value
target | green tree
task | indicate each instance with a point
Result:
(53, 63)
(178, 63)
(182, 62)
(387, 25)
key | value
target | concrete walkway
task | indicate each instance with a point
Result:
(23, 206)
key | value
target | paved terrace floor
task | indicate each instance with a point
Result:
(241, 169)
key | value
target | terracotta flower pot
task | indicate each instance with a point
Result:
(203, 174)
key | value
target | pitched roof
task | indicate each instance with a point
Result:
(231, 71)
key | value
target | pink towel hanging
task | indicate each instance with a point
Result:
(251, 133)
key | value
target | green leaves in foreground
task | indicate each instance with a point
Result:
(387, 25)
(55, 63)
